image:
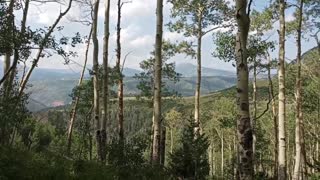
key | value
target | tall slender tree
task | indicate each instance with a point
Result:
(244, 128)
(157, 86)
(282, 158)
(254, 115)
(119, 70)
(95, 71)
(299, 118)
(104, 113)
(120, 78)
(196, 18)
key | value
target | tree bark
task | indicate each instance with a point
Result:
(105, 90)
(151, 145)
(120, 81)
(198, 84)
(25, 80)
(244, 129)
(297, 164)
(76, 102)
(163, 146)
(282, 167)
(157, 85)
(254, 99)
(95, 69)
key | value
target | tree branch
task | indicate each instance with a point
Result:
(125, 3)
(266, 110)
(124, 60)
(215, 28)
(6, 75)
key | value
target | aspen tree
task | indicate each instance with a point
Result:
(282, 167)
(95, 69)
(244, 128)
(105, 90)
(157, 86)
(298, 132)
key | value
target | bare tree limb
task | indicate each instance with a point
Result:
(6, 75)
(125, 2)
(124, 60)
(215, 28)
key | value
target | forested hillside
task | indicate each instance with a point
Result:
(53, 87)
(51, 93)
(142, 102)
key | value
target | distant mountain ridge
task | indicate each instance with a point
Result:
(185, 69)
(62, 74)
(190, 70)
(52, 87)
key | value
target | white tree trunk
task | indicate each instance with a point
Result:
(282, 167)
(95, 69)
(104, 109)
(244, 129)
(157, 86)
(297, 164)
(120, 81)
(198, 83)
(254, 117)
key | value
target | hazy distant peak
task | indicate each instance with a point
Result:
(190, 70)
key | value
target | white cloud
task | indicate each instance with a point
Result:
(142, 41)
(138, 8)
(172, 36)
(290, 17)
(137, 34)
(131, 10)
(44, 14)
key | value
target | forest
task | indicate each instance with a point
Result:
(244, 106)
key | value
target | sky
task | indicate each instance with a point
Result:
(137, 34)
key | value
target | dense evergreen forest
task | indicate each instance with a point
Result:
(260, 120)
